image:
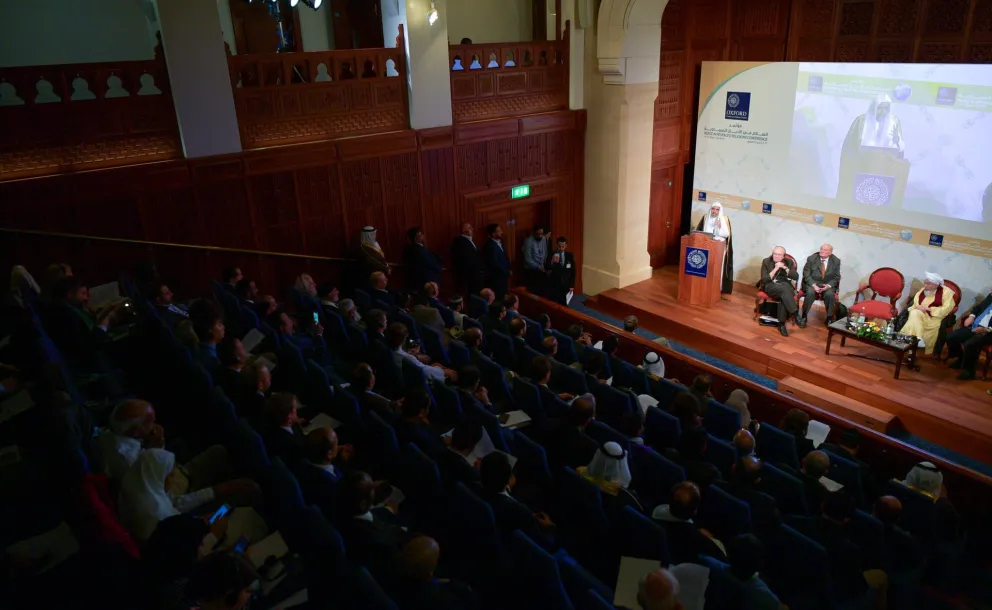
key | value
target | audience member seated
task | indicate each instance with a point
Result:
(472, 392)
(653, 365)
(229, 278)
(454, 463)
(377, 289)
(494, 319)
(632, 426)
(78, 331)
(281, 429)
(544, 321)
(847, 448)
(258, 382)
(306, 287)
(396, 340)
(416, 587)
(171, 554)
(415, 425)
(222, 581)
(457, 306)
(247, 291)
(738, 401)
(131, 426)
(903, 553)
(517, 329)
(319, 477)
(688, 411)
(473, 341)
(375, 321)
(686, 542)
(488, 295)
(152, 490)
(425, 315)
(228, 377)
(594, 367)
(549, 347)
(815, 466)
(512, 304)
(848, 577)
(349, 313)
(927, 479)
(744, 443)
(610, 345)
(498, 482)
(266, 306)
(541, 375)
(309, 339)
(745, 484)
(747, 557)
(170, 313)
(609, 471)
(796, 423)
(370, 537)
(329, 296)
(208, 324)
(363, 387)
(691, 456)
(568, 445)
(700, 390)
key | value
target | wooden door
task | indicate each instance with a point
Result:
(256, 30)
(664, 216)
(357, 24)
(518, 220)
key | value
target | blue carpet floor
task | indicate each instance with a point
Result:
(579, 304)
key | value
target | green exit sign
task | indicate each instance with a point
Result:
(518, 192)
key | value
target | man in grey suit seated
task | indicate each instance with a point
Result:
(821, 279)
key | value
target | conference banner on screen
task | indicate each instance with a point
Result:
(899, 151)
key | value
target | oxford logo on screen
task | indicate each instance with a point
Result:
(738, 105)
(843, 223)
(936, 240)
(766, 208)
(701, 196)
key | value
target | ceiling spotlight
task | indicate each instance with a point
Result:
(293, 3)
(432, 14)
(314, 4)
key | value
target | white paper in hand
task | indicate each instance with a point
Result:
(253, 339)
(632, 570)
(516, 419)
(321, 420)
(104, 294)
(568, 297)
(817, 432)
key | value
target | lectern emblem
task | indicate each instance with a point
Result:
(696, 260)
(871, 189)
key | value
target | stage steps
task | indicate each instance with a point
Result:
(838, 404)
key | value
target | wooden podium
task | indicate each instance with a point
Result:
(700, 269)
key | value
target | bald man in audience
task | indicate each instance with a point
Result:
(416, 586)
(902, 551)
(816, 464)
(744, 443)
(686, 540)
(658, 590)
(377, 288)
(131, 428)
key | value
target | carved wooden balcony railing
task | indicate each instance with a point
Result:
(73, 117)
(319, 95)
(504, 79)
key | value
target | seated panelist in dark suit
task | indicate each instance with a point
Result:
(496, 260)
(975, 334)
(422, 265)
(561, 272)
(466, 260)
(821, 278)
(778, 280)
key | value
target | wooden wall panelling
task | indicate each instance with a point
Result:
(321, 210)
(401, 198)
(361, 185)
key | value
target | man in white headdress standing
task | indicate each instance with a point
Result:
(927, 311)
(370, 255)
(878, 127)
(717, 224)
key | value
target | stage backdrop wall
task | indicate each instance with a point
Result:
(887, 162)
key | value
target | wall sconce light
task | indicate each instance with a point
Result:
(432, 14)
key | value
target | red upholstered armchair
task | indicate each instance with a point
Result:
(884, 282)
(763, 297)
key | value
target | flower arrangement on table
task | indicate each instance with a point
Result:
(871, 330)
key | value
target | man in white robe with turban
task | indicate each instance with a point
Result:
(716, 223)
(927, 311)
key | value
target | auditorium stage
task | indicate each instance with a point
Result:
(930, 404)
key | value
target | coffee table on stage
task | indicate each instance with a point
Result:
(899, 348)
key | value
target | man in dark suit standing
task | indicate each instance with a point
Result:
(561, 272)
(496, 261)
(466, 261)
(778, 280)
(422, 265)
(821, 278)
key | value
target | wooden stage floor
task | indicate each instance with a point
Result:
(930, 404)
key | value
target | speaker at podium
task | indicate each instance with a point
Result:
(700, 269)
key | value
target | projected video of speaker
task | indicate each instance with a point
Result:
(910, 137)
